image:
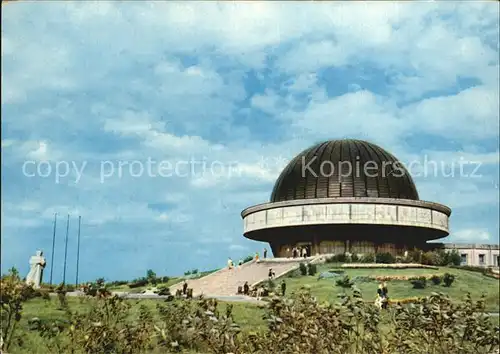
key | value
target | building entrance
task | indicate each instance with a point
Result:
(307, 246)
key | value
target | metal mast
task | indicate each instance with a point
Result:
(78, 249)
(53, 248)
(66, 251)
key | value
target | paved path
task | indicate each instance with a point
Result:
(225, 282)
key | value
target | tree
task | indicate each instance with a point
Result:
(151, 276)
(454, 258)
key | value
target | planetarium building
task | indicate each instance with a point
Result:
(345, 196)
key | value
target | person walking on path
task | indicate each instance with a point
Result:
(265, 253)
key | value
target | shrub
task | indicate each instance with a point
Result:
(414, 256)
(194, 271)
(448, 279)
(385, 258)
(330, 259)
(354, 258)
(96, 289)
(138, 283)
(453, 258)
(338, 258)
(270, 285)
(164, 290)
(437, 325)
(13, 293)
(69, 288)
(430, 258)
(151, 277)
(345, 282)
(419, 283)
(48, 287)
(312, 269)
(303, 269)
(61, 296)
(247, 259)
(367, 258)
(118, 283)
(436, 279)
(482, 270)
(387, 266)
(361, 279)
(441, 258)
(164, 279)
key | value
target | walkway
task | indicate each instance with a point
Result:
(225, 282)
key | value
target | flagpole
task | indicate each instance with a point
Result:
(53, 248)
(66, 251)
(78, 249)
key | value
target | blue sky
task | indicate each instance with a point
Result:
(93, 84)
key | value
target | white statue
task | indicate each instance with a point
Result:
(37, 263)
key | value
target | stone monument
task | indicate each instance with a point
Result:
(37, 263)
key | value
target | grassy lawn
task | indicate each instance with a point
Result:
(466, 281)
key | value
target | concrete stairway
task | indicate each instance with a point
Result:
(225, 282)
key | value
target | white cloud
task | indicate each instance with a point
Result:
(237, 83)
(472, 236)
(235, 247)
(309, 57)
(471, 114)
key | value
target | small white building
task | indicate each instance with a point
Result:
(478, 255)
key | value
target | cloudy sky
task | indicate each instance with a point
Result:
(210, 100)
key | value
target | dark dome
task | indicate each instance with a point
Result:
(322, 171)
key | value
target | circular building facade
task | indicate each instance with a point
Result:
(345, 196)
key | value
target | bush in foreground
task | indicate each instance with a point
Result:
(303, 269)
(298, 324)
(312, 269)
(345, 282)
(448, 279)
(436, 279)
(419, 283)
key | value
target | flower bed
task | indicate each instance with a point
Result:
(405, 277)
(408, 300)
(386, 266)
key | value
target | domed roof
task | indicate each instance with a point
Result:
(344, 168)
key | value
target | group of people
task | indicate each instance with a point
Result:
(230, 263)
(256, 257)
(298, 252)
(382, 296)
(260, 291)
